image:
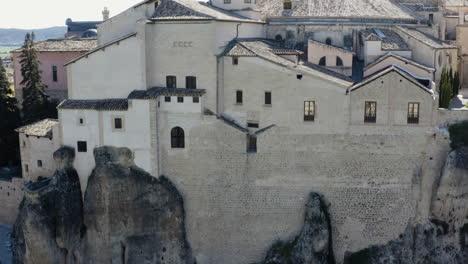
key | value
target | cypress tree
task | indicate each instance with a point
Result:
(445, 88)
(456, 83)
(9, 120)
(35, 103)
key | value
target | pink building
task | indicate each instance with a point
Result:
(52, 54)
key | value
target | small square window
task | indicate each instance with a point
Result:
(81, 121)
(180, 99)
(268, 98)
(252, 124)
(118, 124)
(167, 98)
(299, 76)
(287, 5)
(196, 99)
(82, 146)
(39, 163)
(235, 60)
(227, 1)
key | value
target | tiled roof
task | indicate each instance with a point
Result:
(378, 9)
(331, 46)
(426, 68)
(426, 38)
(99, 105)
(41, 128)
(265, 49)
(390, 39)
(456, 3)
(155, 92)
(64, 45)
(194, 10)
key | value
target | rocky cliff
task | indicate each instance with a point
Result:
(127, 215)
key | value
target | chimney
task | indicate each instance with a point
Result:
(105, 14)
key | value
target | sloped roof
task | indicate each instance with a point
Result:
(155, 92)
(456, 3)
(377, 9)
(99, 105)
(332, 46)
(64, 45)
(194, 10)
(41, 128)
(406, 60)
(426, 38)
(390, 39)
(265, 49)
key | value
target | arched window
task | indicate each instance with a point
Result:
(323, 61)
(339, 61)
(278, 37)
(328, 41)
(177, 138)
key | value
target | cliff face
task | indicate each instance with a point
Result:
(127, 215)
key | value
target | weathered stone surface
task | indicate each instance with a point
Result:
(130, 216)
(313, 244)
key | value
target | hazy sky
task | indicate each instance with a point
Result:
(33, 14)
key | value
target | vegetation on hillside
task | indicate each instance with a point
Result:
(448, 87)
(459, 135)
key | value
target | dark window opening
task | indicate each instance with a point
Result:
(227, 1)
(26, 168)
(156, 4)
(323, 61)
(239, 97)
(39, 163)
(82, 146)
(328, 41)
(309, 110)
(54, 73)
(278, 38)
(235, 60)
(287, 5)
(431, 18)
(370, 112)
(299, 76)
(81, 121)
(180, 99)
(413, 113)
(251, 144)
(177, 138)
(196, 99)
(118, 123)
(268, 98)
(252, 124)
(339, 61)
(167, 98)
(191, 82)
(171, 82)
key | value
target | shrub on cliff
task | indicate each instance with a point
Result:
(459, 135)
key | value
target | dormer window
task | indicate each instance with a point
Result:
(287, 5)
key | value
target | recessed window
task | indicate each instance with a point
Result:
(239, 97)
(287, 5)
(39, 163)
(370, 112)
(251, 144)
(339, 61)
(156, 4)
(82, 146)
(118, 123)
(253, 124)
(413, 113)
(54, 73)
(309, 110)
(323, 61)
(268, 98)
(177, 138)
(196, 99)
(431, 18)
(191, 82)
(26, 168)
(171, 82)
(81, 121)
(180, 99)
(328, 41)
(278, 38)
(167, 98)
(299, 76)
(227, 1)
(235, 60)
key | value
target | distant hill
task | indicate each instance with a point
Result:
(15, 37)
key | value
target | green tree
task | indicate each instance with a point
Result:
(9, 120)
(36, 105)
(445, 89)
(456, 83)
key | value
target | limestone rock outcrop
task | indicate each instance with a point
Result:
(127, 215)
(313, 244)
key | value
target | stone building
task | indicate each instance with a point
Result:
(220, 98)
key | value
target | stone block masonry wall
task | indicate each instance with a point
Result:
(11, 194)
(238, 204)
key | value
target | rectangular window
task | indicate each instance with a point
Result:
(251, 144)
(196, 99)
(252, 124)
(118, 123)
(171, 82)
(247, 1)
(26, 168)
(191, 82)
(235, 60)
(239, 97)
(370, 112)
(39, 163)
(268, 98)
(82, 146)
(287, 5)
(227, 1)
(167, 98)
(413, 113)
(180, 99)
(309, 110)
(81, 121)
(54, 73)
